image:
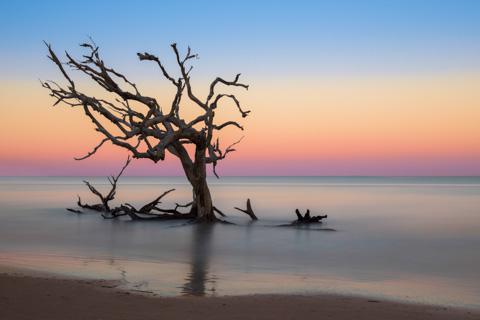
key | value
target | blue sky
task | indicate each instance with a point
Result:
(278, 37)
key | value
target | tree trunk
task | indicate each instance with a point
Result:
(196, 173)
(202, 201)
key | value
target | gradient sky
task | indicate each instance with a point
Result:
(337, 87)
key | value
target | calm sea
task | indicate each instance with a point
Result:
(410, 239)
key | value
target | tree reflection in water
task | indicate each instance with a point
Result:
(198, 280)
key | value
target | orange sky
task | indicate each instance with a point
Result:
(406, 125)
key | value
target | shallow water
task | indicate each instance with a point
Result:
(409, 239)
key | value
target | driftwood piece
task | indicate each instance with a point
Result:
(104, 200)
(307, 218)
(248, 210)
(74, 210)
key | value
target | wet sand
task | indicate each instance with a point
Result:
(38, 297)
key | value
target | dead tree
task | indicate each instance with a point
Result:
(137, 122)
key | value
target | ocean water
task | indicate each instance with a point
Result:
(410, 239)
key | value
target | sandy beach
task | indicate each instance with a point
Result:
(36, 297)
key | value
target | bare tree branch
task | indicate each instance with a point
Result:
(228, 83)
(216, 153)
(94, 150)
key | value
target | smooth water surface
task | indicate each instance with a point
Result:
(409, 239)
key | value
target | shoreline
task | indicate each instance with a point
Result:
(33, 296)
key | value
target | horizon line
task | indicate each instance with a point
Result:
(246, 176)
